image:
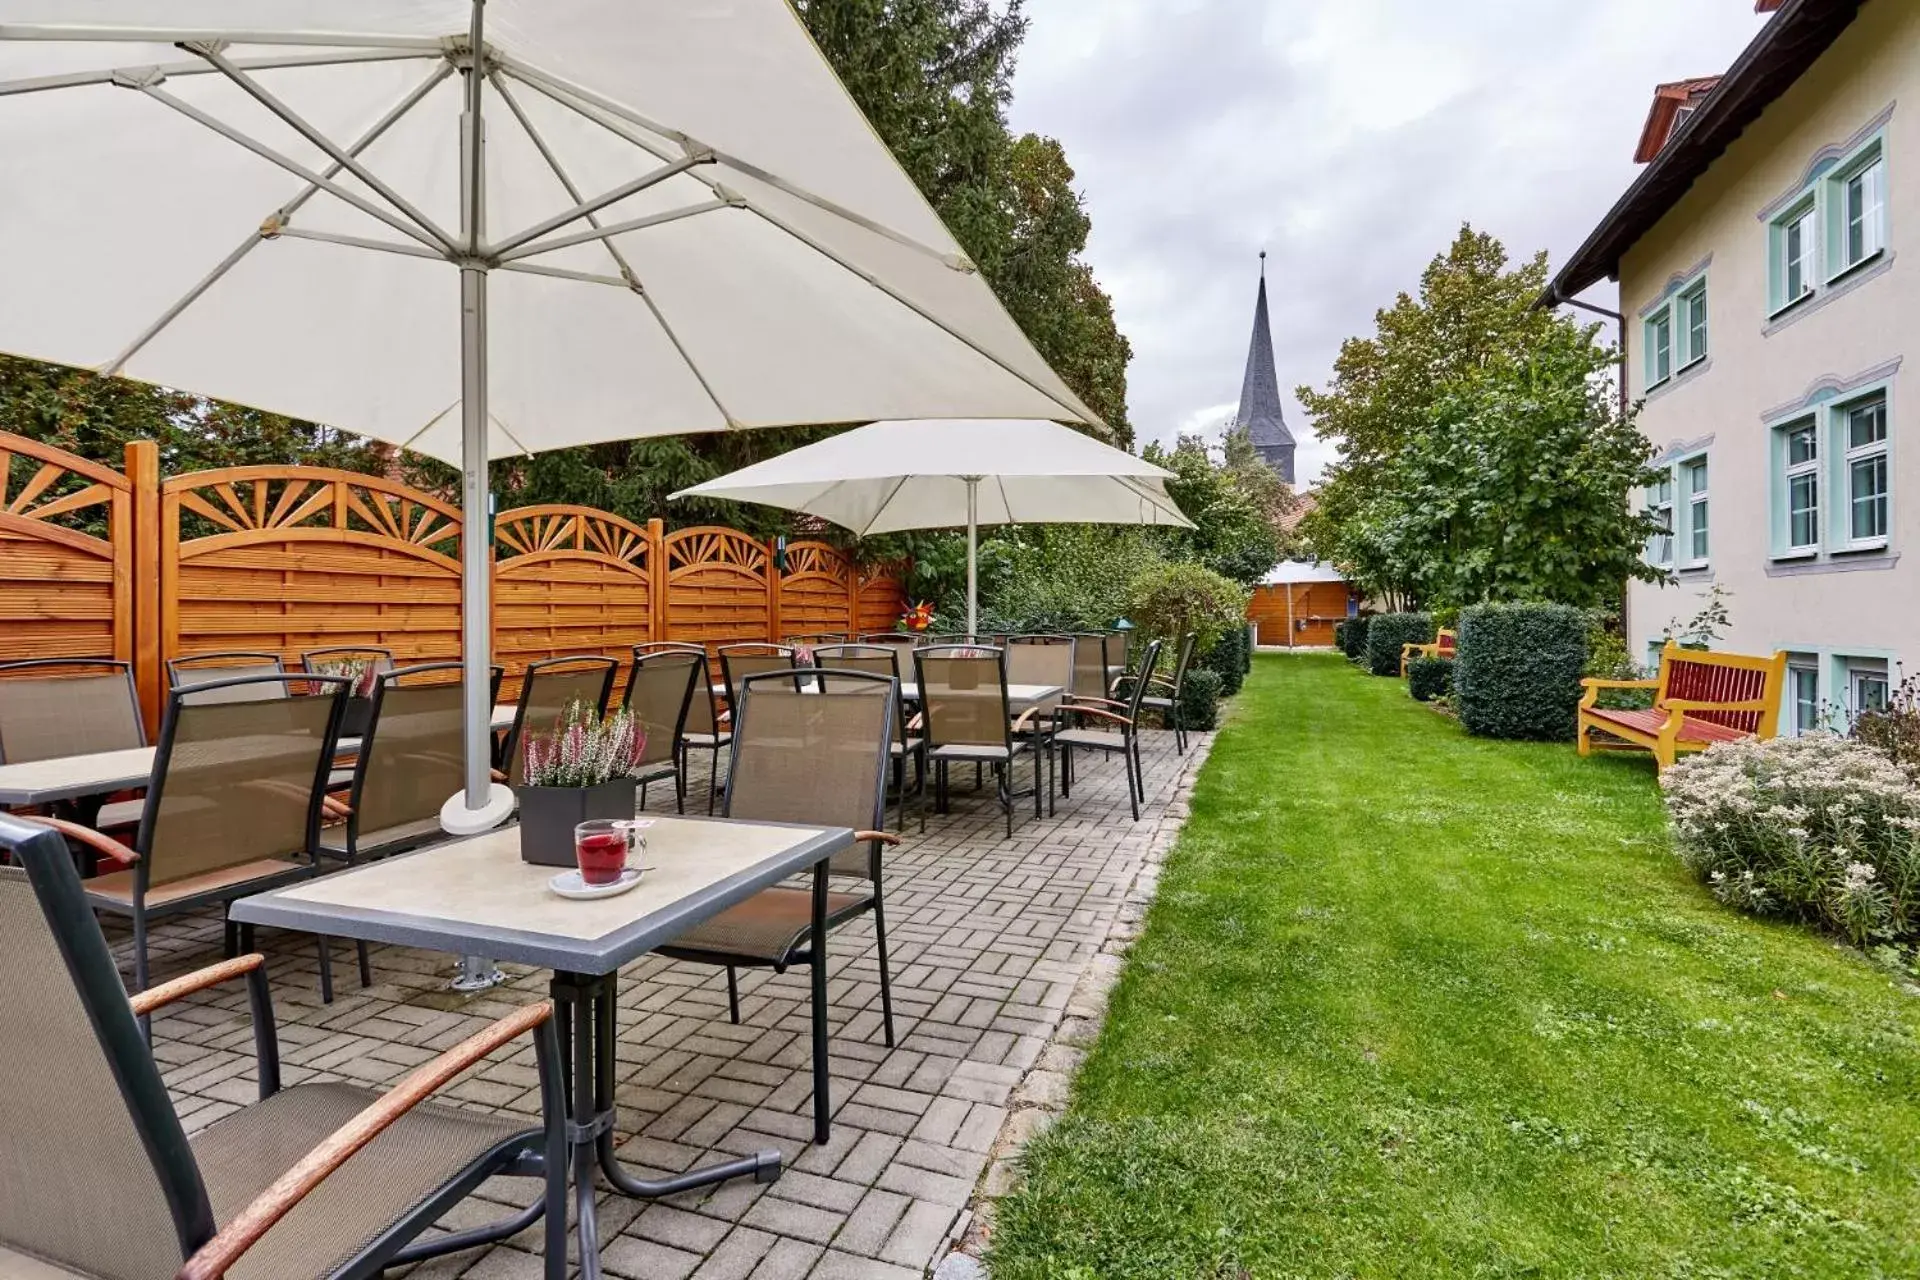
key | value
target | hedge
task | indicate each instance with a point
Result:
(1355, 643)
(1430, 678)
(1517, 673)
(1230, 659)
(1390, 633)
(1200, 699)
(1340, 636)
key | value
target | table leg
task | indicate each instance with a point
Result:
(584, 1008)
(817, 970)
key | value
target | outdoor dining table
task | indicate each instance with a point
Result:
(1019, 696)
(476, 895)
(101, 773)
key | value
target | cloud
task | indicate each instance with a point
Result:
(1349, 138)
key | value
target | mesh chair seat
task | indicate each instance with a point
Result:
(706, 739)
(20, 1266)
(121, 813)
(978, 751)
(425, 1149)
(374, 844)
(1102, 739)
(116, 887)
(1157, 703)
(770, 926)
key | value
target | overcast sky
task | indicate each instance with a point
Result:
(1349, 138)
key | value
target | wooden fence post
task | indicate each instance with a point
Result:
(773, 591)
(657, 579)
(143, 471)
(853, 598)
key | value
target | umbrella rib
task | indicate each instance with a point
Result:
(499, 80)
(298, 123)
(280, 215)
(81, 79)
(671, 169)
(562, 273)
(619, 228)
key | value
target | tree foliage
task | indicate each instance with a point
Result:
(1483, 457)
(1235, 501)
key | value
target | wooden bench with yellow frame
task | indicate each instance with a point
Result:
(1442, 647)
(1700, 698)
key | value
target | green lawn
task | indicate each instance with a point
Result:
(1413, 1004)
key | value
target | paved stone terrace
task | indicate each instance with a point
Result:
(989, 938)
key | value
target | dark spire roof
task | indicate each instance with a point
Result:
(1260, 413)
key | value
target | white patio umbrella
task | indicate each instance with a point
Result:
(890, 476)
(479, 228)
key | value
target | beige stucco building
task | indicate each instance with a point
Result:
(1767, 262)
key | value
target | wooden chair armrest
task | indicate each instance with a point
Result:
(97, 841)
(1593, 682)
(497, 775)
(145, 1002)
(918, 721)
(211, 1260)
(1114, 716)
(884, 837)
(1081, 699)
(1683, 706)
(1024, 719)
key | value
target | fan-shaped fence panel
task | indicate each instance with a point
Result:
(285, 559)
(882, 597)
(815, 590)
(717, 586)
(570, 580)
(66, 555)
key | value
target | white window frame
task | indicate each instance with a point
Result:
(1791, 471)
(1807, 716)
(1865, 673)
(1668, 331)
(1661, 546)
(1798, 227)
(1868, 165)
(1852, 456)
(1696, 516)
(1690, 311)
(1660, 346)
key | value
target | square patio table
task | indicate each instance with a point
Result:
(477, 896)
(1019, 696)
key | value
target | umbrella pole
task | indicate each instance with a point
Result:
(973, 552)
(483, 804)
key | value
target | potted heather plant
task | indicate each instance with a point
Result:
(361, 674)
(584, 767)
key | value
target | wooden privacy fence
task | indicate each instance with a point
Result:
(99, 563)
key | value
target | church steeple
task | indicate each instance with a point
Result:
(1261, 416)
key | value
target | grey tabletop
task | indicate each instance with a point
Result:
(101, 773)
(477, 896)
(1019, 696)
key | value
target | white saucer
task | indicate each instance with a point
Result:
(568, 884)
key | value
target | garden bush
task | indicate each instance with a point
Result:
(1430, 678)
(1170, 600)
(1815, 828)
(1200, 699)
(1355, 644)
(1340, 636)
(1230, 658)
(1517, 671)
(1389, 633)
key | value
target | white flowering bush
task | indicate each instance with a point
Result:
(585, 749)
(1815, 828)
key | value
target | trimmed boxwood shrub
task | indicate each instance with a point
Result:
(1200, 699)
(1229, 659)
(1517, 674)
(1430, 678)
(1355, 644)
(1389, 632)
(1340, 636)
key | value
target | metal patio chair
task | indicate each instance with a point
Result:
(379, 655)
(51, 707)
(908, 742)
(707, 724)
(903, 639)
(751, 658)
(233, 808)
(1091, 676)
(1167, 702)
(223, 670)
(547, 689)
(1124, 737)
(660, 690)
(820, 759)
(320, 1181)
(1046, 660)
(963, 699)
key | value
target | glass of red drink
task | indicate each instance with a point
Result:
(601, 847)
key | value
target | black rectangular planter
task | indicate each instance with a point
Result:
(548, 816)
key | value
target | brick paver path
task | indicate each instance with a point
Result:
(989, 937)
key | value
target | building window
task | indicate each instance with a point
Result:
(1802, 445)
(1693, 482)
(1676, 331)
(1837, 223)
(1803, 687)
(1867, 479)
(1868, 688)
(1795, 243)
(1860, 208)
(1660, 507)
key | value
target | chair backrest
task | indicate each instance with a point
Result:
(549, 687)
(870, 659)
(1446, 641)
(1694, 675)
(1182, 661)
(331, 661)
(67, 707)
(817, 638)
(222, 669)
(1141, 679)
(659, 693)
(1041, 660)
(963, 694)
(815, 758)
(84, 1111)
(702, 714)
(413, 753)
(236, 780)
(903, 639)
(1114, 647)
(738, 661)
(1090, 673)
